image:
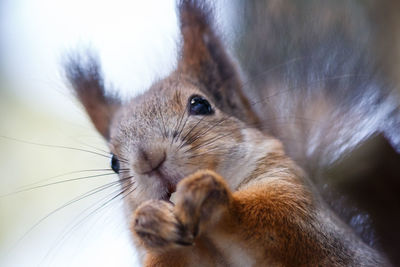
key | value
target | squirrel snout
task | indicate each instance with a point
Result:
(149, 159)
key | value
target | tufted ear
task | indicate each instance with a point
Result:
(85, 77)
(204, 59)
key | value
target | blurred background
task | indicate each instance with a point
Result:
(48, 220)
(54, 211)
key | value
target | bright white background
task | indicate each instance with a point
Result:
(136, 41)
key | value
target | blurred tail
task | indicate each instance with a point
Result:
(313, 74)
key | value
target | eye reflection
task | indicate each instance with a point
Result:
(198, 105)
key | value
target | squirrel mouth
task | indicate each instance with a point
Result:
(169, 186)
(168, 181)
(167, 196)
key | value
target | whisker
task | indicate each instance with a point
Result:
(209, 141)
(190, 131)
(183, 127)
(197, 136)
(163, 122)
(102, 150)
(60, 175)
(104, 203)
(206, 153)
(263, 73)
(131, 191)
(56, 183)
(177, 127)
(288, 62)
(209, 152)
(338, 77)
(74, 200)
(265, 99)
(107, 155)
(53, 146)
(282, 120)
(91, 146)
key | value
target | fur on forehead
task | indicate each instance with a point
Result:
(203, 65)
(171, 93)
(166, 100)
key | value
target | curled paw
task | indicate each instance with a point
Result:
(155, 226)
(201, 199)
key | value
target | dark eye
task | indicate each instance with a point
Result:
(199, 106)
(115, 164)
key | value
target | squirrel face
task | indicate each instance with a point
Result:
(173, 130)
(197, 118)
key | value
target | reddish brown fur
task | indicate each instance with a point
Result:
(271, 222)
(89, 88)
(258, 210)
(205, 61)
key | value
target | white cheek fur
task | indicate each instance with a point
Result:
(254, 147)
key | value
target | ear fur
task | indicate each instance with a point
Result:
(85, 77)
(204, 59)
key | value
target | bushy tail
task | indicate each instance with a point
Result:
(313, 76)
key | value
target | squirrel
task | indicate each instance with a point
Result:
(216, 142)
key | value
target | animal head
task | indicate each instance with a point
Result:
(196, 118)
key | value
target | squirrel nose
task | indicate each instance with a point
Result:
(149, 159)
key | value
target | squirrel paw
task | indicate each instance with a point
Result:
(201, 199)
(156, 226)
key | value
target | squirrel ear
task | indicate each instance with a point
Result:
(84, 75)
(204, 59)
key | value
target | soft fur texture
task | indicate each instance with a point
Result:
(240, 201)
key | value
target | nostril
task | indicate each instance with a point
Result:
(149, 160)
(161, 160)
